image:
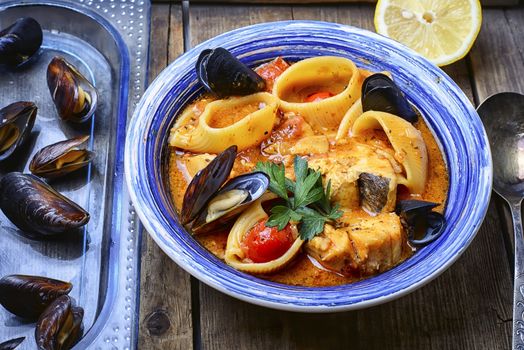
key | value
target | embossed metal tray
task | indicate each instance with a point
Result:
(108, 41)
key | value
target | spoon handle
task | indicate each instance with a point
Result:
(518, 293)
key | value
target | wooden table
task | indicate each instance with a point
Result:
(467, 307)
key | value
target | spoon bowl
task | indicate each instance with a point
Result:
(503, 118)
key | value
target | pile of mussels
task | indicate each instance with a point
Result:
(32, 204)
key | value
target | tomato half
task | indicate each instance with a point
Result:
(319, 96)
(263, 244)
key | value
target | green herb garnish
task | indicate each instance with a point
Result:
(306, 201)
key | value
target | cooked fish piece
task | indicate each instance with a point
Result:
(359, 176)
(367, 245)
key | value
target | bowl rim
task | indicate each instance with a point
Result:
(131, 170)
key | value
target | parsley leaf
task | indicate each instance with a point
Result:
(312, 223)
(307, 203)
(281, 215)
(277, 178)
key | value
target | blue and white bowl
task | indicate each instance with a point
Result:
(446, 109)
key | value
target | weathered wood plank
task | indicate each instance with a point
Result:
(325, 2)
(497, 58)
(467, 307)
(165, 300)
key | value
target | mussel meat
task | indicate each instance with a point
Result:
(28, 296)
(11, 344)
(422, 224)
(206, 183)
(60, 326)
(16, 123)
(232, 198)
(380, 93)
(224, 75)
(35, 207)
(20, 41)
(61, 158)
(74, 96)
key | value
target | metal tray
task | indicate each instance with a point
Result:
(108, 41)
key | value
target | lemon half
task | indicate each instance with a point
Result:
(441, 30)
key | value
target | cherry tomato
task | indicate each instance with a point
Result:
(319, 96)
(263, 244)
(271, 71)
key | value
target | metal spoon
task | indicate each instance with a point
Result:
(503, 118)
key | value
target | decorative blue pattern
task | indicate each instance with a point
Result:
(445, 107)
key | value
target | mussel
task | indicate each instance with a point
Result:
(422, 224)
(206, 183)
(60, 326)
(61, 158)
(224, 75)
(20, 41)
(208, 204)
(35, 207)
(74, 96)
(16, 123)
(230, 200)
(380, 93)
(28, 296)
(11, 344)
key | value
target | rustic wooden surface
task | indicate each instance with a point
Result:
(327, 2)
(468, 307)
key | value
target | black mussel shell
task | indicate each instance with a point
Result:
(29, 296)
(374, 192)
(16, 122)
(224, 75)
(11, 344)
(206, 183)
(236, 194)
(380, 93)
(61, 158)
(35, 207)
(422, 224)
(74, 96)
(60, 326)
(20, 41)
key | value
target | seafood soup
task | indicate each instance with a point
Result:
(313, 173)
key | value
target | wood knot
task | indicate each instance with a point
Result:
(157, 322)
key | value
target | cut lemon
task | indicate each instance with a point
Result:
(441, 30)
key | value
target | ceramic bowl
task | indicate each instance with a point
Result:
(446, 110)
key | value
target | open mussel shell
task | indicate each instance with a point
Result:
(16, 122)
(206, 183)
(11, 344)
(61, 158)
(28, 296)
(380, 93)
(35, 207)
(60, 326)
(422, 224)
(236, 194)
(20, 41)
(224, 75)
(74, 96)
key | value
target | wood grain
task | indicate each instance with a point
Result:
(326, 2)
(165, 300)
(468, 307)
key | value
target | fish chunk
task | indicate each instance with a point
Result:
(365, 246)
(359, 176)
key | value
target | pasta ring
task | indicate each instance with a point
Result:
(235, 255)
(203, 138)
(312, 74)
(410, 149)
